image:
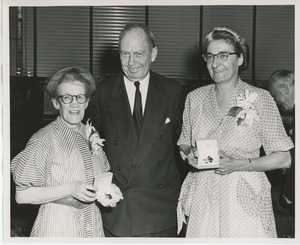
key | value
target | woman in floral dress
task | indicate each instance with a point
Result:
(58, 165)
(233, 200)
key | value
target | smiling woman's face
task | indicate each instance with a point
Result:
(223, 71)
(71, 113)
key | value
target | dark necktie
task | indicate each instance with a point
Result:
(137, 110)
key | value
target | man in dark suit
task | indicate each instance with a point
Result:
(282, 88)
(140, 125)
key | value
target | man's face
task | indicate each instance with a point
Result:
(136, 55)
(283, 97)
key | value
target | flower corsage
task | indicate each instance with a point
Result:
(245, 112)
(95, 142)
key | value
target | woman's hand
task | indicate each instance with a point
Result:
(192, 157)
(227, 165)
(117, 190)
(109, 195)
(83, 192)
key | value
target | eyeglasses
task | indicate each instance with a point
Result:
(222, 56)
(67, 98)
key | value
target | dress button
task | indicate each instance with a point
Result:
(161, 137)
(159, 162)
(159, 186)
(115, 142)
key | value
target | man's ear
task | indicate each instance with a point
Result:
(154, 54)
(284, 88)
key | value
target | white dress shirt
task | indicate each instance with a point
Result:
(130, 88)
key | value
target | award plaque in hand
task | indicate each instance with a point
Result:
(208, 153)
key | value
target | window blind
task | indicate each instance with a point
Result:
(62, 38)
(275, 39)
(70, 36)
(176, 30)
(108, 21)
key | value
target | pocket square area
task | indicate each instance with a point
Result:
(167, 120)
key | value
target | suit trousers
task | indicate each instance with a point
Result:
(167, 233)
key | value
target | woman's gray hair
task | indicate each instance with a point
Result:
(232, 37)
(70, 74)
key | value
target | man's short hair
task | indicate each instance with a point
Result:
(149, 34)
(282, 75)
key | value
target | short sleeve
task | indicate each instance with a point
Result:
(185, 136)
(28, 168)
(273, 135)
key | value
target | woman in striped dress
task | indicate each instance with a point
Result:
(58, 165)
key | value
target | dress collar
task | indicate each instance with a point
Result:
(232, 102)
(68, 134)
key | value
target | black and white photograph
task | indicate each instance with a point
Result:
(149, 122)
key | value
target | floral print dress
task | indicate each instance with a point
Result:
(238, 204)
(52, 157)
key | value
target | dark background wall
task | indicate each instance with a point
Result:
(44, 39)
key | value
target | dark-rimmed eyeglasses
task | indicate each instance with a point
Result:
(222, 56)
(67, 98)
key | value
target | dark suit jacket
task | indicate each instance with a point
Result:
(289, 178)
(144, 167)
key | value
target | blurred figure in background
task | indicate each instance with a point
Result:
(282, 88)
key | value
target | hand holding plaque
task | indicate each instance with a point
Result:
(108, 194)
(208, 153)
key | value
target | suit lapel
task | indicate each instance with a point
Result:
(122, 117)
(154, 110)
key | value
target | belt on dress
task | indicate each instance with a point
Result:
(71, 201)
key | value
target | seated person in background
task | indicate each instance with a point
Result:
(282, 88)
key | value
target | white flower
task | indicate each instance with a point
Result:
(241, 115)
(247, 102)
(89, 128)
(94, 138)
(245, 112)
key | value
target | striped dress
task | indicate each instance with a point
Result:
(52, 157)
